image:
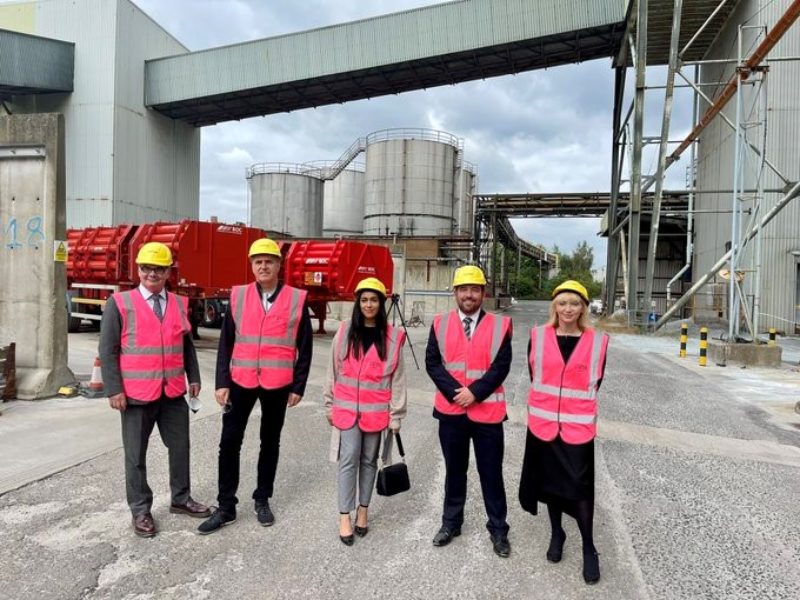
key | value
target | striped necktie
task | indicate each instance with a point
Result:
(467, 326)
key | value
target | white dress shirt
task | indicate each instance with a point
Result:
(148, 296)
(474, 316)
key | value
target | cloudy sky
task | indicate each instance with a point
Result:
(541, 131)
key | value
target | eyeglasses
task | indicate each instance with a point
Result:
(147, 269)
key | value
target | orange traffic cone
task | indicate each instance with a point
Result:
(96, 382)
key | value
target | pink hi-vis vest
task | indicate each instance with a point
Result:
(266, 342)
(563, 398)
(151, 351)
(363, 388)
(469, 360)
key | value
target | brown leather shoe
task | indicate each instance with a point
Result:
(191, 508)
(144, 525)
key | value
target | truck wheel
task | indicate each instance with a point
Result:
(210, 315)
(73, 324)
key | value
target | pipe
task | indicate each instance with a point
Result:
(772, 38)
(788, 197)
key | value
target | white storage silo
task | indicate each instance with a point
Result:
(409, 183)
(343, 201)
(284, 198)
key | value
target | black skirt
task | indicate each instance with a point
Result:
(556, 472)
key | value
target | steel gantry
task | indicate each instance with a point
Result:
(692, 26)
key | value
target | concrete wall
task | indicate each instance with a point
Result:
(32, 219)
(124, 163)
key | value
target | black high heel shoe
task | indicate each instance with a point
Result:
(347, 540)
(556, 548)
(360, 531)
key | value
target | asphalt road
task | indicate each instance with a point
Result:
(697, 497)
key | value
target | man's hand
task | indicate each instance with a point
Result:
(118, 402)
(222, 395)
(464, 397)
(294, 399)
(194, 390)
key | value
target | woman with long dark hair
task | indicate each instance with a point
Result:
(566, 360)
(365, 394)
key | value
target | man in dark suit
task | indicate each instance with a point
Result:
(468, 357)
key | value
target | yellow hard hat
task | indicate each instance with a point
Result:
(468, 275)
(264, 246)
(371, 283)
(154, 253)
(570, 285)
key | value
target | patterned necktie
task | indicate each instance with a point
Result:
(157, 307)
(467, 326)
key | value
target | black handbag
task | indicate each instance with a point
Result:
(393, 479)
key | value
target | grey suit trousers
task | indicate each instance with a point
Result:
(358, 465)
(172, 417)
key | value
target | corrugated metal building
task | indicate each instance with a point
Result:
(125, 163)
(780, 272)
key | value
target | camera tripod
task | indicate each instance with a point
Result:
(395, 311)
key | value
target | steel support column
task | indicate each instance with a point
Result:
(617, 151)
(662, 153)
(635, 208)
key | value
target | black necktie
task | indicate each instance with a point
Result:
(157, 307)
(467, 326)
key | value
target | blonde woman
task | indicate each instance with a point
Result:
(365, 393)
(566, 360)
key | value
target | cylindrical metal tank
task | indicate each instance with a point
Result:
(342, 197)
(286, 199)
(409, 182)
(466, 181)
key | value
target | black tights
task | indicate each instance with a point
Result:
(582, 511)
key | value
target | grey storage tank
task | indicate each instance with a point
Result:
(409, 182)
(342, 197)
(285, 198)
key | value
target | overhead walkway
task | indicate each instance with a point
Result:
(34, 65)
(578, 204)
(425, 47)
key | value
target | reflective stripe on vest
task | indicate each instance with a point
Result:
(362, 391)
(562, 399)
(469, 360)
(265, 349)
(151, 351)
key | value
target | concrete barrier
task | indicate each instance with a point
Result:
(32, 225)
(751, 355)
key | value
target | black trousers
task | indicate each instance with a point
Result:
(234, 423)
(138, 420)
(488, 441)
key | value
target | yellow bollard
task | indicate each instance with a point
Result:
(703, 345)
(684, 339)
(772, 335)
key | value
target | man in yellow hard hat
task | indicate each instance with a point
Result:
(147, 353)
(264, 355)
(468, 357)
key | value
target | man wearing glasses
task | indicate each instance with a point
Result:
(147, 354)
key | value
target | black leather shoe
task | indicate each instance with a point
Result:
(501, 546)
(591, 568)
(556, 548)
(217, 520)
(444, 536)
(265, 516)
(347, 540)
